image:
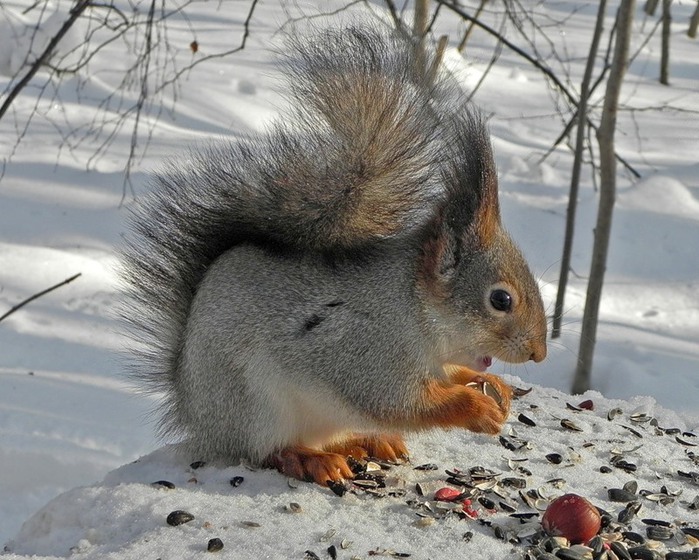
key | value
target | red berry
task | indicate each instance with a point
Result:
(573, 517)
(587, 405)
(472, 513)
(446, 494)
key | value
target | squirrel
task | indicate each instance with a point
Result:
(320, 289)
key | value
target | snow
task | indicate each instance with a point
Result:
(68, 415)
(125, 516)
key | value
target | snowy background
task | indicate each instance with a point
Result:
(67, 415)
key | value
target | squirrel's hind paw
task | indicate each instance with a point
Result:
(309, 464)
(387, 447)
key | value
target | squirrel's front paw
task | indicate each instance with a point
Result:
(488, 414)
(486, 383)
(455, 405)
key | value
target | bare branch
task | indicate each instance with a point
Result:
(38, 295)
(75, 13)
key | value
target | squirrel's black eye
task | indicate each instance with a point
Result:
(501, 300)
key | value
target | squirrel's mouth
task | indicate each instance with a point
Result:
(482, 363)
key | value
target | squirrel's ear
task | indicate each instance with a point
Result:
(441, 251)
(486, 223)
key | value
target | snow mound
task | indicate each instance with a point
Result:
(266, 516)
(662, 194)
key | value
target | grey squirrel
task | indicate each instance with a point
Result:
(318, 290)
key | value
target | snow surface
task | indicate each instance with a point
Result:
(68, 416)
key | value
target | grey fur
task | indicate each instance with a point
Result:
(286, 272)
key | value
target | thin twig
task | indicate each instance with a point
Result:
(35, 296)
(75, 13)
(572, 99)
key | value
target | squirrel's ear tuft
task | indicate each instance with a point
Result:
(441, 251)
(486, 223)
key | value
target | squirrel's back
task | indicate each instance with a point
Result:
(376, 154)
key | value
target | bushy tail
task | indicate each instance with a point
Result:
(359, 159)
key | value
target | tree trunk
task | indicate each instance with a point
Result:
(693, 23)
(577, 165)
(650, 7)
(665, 49)
(605, 137)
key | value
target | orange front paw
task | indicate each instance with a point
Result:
(455, 405)
(309, 464)
(502, 393)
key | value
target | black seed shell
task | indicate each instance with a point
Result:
(179, 517)
(214, 545)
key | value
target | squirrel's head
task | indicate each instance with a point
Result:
(477, 287)
(484, 299)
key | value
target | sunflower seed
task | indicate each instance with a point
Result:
(555, 458)
(596, 543)
(338, 487)
(633, 431)
(487, 503)
(659, 533)
(633, 537)
(512, 482)
(214, 545)
(293, 507)
(179, 517)
(629, 512)
(236, 481)
(512, 443)
(568, 425)
(643, 553)
(329, 534)
(620, 495)
(427, 467)
(625, 465)
(631, 486)
(620, 550)
(682, 556)
(509, 507)
(613, 413)
(570, 554)
(518, 392)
